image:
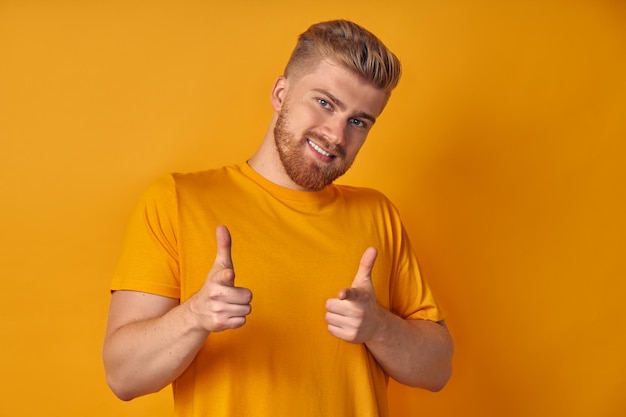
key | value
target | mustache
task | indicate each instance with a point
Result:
(321, 140)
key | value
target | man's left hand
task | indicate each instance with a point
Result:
(355, 316)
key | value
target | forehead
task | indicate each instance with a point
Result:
(351, 89)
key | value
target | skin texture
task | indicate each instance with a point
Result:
(150, 340)
(414, 352)
(332, 108)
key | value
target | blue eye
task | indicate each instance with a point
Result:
(357, 122)
(323, 102)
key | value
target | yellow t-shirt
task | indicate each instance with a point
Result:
(293, 250)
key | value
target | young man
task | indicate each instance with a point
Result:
(339, 304)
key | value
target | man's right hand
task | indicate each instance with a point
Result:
(152, 339)
(219, 305)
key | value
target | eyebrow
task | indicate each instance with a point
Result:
(342, 105)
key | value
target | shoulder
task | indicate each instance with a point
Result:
(367, 201)
(202, 178)
(168, 188)
(171, 185)
(363, 195)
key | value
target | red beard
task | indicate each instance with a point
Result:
(305, 172)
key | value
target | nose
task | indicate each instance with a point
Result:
(335, 130)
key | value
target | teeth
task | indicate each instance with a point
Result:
(318, 149)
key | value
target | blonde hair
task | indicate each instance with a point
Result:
(350, 45)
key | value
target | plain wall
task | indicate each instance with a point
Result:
(503, 148)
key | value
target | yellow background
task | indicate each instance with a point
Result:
(503, 148)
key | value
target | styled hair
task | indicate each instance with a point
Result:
(350, 45)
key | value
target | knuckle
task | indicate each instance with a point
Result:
(219, 322)
(215, 293)
(351, 336)
(245, 295)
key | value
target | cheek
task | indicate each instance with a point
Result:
(354, 145)
(302, 120)
(312, 118)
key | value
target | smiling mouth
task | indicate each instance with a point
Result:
(318, 149)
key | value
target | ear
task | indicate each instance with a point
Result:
(278, 93)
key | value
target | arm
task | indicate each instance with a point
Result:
(413, 352)
(417, 353)
(151, 340)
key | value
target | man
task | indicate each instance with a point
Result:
(339, 304)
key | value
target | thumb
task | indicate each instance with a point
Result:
(223, 257)
(363, 278)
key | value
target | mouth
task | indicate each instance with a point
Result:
(318, 149)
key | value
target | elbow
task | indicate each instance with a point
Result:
(438, 383)
(443, 366)
(118, 377)
(435, 376)
(123, 385)
(127, 383)
(121, 390)
(443, 373)
(126, 388)
(433, 381)
(117, 382)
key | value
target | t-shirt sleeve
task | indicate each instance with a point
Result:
(410, 296)
(149, 259)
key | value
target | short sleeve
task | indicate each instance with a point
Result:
(411, 297)
(149, 261)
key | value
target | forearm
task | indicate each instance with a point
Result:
(144, 356)
(417, 353)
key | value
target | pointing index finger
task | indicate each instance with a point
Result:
(345, 294)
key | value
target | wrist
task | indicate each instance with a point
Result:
(191, 317)
(382, 329)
